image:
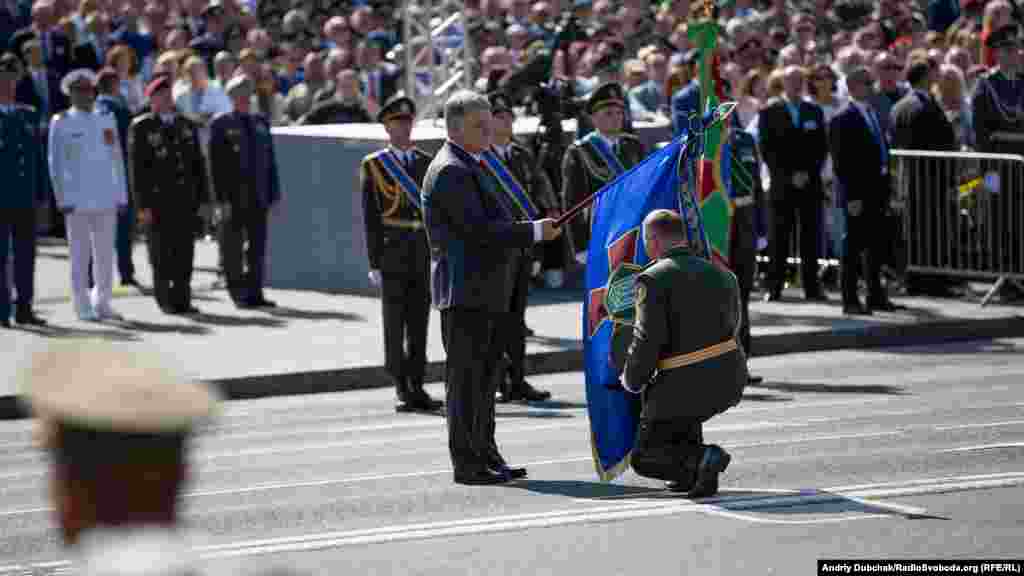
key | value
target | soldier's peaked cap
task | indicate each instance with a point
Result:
(76, 76)
(499, 102)
(113, 387)
(607, 94)
(239, 85)
(9, 63)
(397, 106)
(1005, 37)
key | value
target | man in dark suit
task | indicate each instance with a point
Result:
(109, 100)
(469, 232)
(794, 145)
(56, 46)
(92, 52)
(918, 123)
(396, 245)
(167, 179)
(246, 184)
(527, 186)
(24, 169)
(860, 158)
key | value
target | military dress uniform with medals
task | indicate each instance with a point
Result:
(998, 109)
(396, 245)
(527, 196)
(168, 178)
(594, 160)
(25, 190)
(685, 361)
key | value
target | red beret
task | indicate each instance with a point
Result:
(105, 73)
(158, 82)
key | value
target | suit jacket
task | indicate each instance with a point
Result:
(396, 240)
(857, 161)
(167, 173)
(919, 124)
(883, 103)
(21, 160)
(469, 234)
(243, 162)
(26, 93)
(788, 148)
(57, 56)
(86, 56)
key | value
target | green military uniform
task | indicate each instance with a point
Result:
(586, 168)
(512, 338)
(396, 245)
(998, 109)
(685, 359)
(168, 177)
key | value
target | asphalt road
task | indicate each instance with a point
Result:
(897, 453)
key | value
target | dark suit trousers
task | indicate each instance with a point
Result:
(743, 256)
(863, 238)
(784, 211)
(469, 337)
(171, 241)
(405, 304)
(511, 334)
(243, 264)
(17, 225)
(123, 243)
(668, 449)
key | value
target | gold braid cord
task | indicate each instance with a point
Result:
(596, 167)
(388, 190)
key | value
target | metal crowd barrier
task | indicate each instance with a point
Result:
(963, 214)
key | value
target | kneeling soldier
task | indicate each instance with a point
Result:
(684, 358)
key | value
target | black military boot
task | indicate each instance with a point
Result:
(714, 462)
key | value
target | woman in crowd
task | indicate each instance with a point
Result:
(950, 93)
(122, 58)
(751, 95)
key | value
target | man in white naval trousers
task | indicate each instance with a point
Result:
(90, 186)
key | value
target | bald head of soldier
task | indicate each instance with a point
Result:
(115, 419)
(663, 230)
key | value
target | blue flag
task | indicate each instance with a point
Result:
(616, 251)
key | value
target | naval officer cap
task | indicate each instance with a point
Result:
(239, 85)
(499, 102)
(1005, 37)
(77, 76)
(607, 94)
(9, 64)
(398, 106)
(113, 389)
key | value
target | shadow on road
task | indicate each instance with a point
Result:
(238, 321)
(579, 488)
(981, 346)
(154, 328)
(113, 334)
(755, 397)
(830, 388)
(297, 314)
(555, 341)
(533, 414)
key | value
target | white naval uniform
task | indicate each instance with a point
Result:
(87, 171)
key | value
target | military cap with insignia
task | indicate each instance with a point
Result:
(239, 85)
(397, 106)
(214, 8)
(1005, 37)
(607, 94)
(499, 102)
(9, 63)
(75, 77)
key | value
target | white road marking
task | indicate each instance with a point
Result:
(982, 447)
(980, 425)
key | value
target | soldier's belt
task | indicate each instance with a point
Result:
(742, 201)
(404, 224)
(1008, 136)
(701, 355)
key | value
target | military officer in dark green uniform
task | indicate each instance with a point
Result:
(998, 108)
(683, 358)
(597, 158)
(24, 191)
(535, 200)
(399, 257)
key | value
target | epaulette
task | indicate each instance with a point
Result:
(771, 102)
(629, 136)
(374, 155)
(142, 118)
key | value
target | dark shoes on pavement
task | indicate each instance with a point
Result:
(524, 392)
(480, 478)
(255, 303)
(27, 318)
(418, 401)
(714, 462)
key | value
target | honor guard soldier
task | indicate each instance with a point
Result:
(24, 193)
(116, 421)
(246, 185)
(598, 158)
(90, 185)
(399, 258)
(529, 192)
(998, 109)
(683, 358)
(168, 180)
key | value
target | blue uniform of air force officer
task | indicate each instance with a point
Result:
(24, 189)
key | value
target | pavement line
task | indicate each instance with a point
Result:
(980, 425)
(982, 447)
(597, 514)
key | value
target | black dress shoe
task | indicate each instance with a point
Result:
(27, 318)
(714, 462)
(263, 303)
(754, 380)
(5, 323)
(819, 297)
(511, 473)
(422, 401)
(481, 478)
(524, 392)
(679, 485)
(855, 310)
(885, 306)
(130, 282)
(527, 331)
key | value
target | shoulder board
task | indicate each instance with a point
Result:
(375, 155)
(143, 118)
(579, 142)
(771, 102)
(629, 136)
